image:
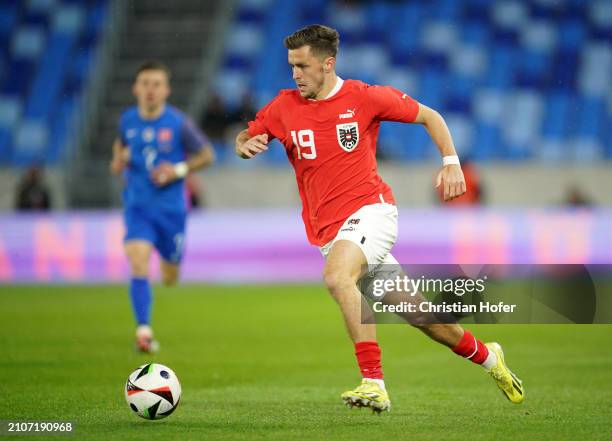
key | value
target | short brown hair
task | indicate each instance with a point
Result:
(322, 40)
(154, 65)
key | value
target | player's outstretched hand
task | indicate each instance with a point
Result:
(119, 161)
(253, 146)
(452, 178)
(163, 174)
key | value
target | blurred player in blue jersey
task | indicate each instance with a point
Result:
(157, 147)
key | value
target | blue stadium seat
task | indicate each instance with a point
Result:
(508, 16)
(434, 87)
(41, 6)
(534, 69)
(463, 131)
(69, 19)
(487, 143)
(31, 142)
(563, 73)
(461, 91)
(475, 32)
(573, 36)
(379, 15)
(558, 114)
(10, 110)
(590, 114)
(447, 10)
(28, 42)
(502, 64)
(393, 142)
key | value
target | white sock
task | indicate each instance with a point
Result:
(491, 361)
(378, 381)
(144, 331)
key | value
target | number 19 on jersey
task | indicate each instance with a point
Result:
(304, 139)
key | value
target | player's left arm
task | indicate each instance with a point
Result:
(450, 175)
(200, 154)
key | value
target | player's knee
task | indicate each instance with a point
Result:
(337, 282)
(139, 261)
(139, 267)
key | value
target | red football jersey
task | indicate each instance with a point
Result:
(331, 144)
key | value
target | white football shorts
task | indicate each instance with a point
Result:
(373, 228)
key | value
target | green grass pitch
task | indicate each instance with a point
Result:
(269, 363)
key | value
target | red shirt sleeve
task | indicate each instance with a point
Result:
(390, 104)
(268, 121)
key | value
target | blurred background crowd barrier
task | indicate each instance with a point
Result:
(268, 246)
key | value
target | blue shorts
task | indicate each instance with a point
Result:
(164, 230)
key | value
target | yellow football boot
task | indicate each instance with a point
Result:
(368, 394)
(508, 383)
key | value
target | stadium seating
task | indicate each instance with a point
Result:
(46, 53)
(516, 80)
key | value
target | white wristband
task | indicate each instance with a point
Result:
(448, 160)
(181, 169)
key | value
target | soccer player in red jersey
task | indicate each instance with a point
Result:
(329, 127)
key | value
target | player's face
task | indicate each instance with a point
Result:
(151, 88)
(308, 71)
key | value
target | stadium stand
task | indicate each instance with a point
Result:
(46, 53)
(516, 80)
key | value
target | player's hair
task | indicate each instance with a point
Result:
(323, 40)
(154, 65)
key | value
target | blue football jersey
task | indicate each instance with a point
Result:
(168, 138)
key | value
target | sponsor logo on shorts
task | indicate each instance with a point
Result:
(347, 229)
(353, 221)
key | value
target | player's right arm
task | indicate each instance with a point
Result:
(121, 157)
(266, 126)
(247, 146)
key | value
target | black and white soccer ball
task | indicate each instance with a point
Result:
(153, 391)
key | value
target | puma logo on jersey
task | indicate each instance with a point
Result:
(350, 113)
(404, 96)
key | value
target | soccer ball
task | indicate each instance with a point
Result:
(153, 391)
